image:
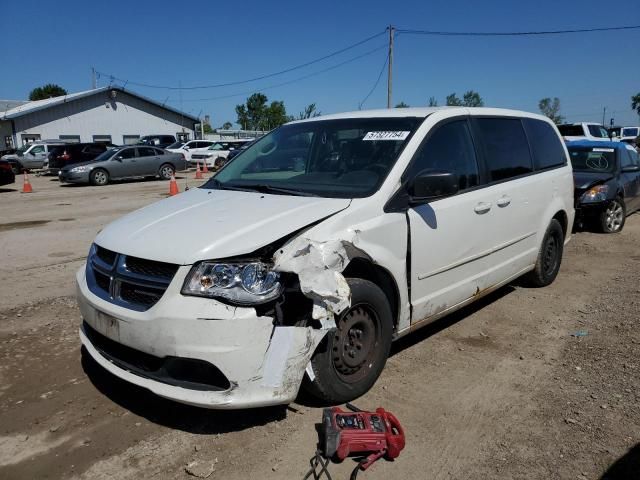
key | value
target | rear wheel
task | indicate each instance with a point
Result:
(99, 177)
(166, 171)
(613, 218)
(16, 168)
(352, 355)
(549, 257)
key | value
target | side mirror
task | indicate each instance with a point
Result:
(186, 147)
(118, 158)
(631, 168)
(431, 185)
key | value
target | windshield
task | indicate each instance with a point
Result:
(585, 159)
(598, 131)
(216, 146)
(630, 132)
(107, 154)
(329, 158)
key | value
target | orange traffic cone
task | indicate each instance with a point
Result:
(204, 167)
(26, 187)
(173, 186)
(198, 171)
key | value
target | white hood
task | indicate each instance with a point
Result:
(206, 224)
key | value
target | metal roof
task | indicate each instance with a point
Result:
(37, 105)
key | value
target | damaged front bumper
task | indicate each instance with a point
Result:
(197, 351)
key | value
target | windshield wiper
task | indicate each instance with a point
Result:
(262, 188)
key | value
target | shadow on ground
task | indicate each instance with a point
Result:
(175, 415)
(626, 467)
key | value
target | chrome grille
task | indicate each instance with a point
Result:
(131, 282)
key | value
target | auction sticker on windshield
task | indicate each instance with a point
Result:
(604, 150)
(373, 136)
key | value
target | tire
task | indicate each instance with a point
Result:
(613, 217)
(99, 177)
(165, 171)
(351, 357)
(16, 168)
(549, 257)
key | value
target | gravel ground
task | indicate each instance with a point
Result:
(525, 384)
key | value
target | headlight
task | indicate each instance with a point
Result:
(80, 169)
(242, 283)
(595, 194)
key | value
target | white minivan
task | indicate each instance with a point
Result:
(323, 242)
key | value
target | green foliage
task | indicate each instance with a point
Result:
(206, 128)
(308, 112)
(469, 99)
(433, 102)
(453, 101)
(402, 105)
(47, 91)
(227, 126)
(635, 103)
(551, 108)
(255, 114)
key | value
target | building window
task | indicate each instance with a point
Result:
(130, 139)
(102, 138)
(182, 136)
(8, 142)
(70, 138)
(30, 138)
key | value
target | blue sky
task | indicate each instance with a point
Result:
(186, 43)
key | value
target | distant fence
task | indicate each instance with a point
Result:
(232, 134)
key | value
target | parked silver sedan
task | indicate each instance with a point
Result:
(124, 162)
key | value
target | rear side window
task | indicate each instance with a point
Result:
(506, 147)
(545, 144)
(449, 148)
(146, 152)
(571, 130)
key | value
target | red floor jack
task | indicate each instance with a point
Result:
(367, 435)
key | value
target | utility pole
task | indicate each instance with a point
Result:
(93, 78)
(390, 66)
(604, 112)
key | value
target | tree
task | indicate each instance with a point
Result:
(227, 126)
(256, 115)
(551, 108)
(453, 101)
(206, 128)
(635, 103)
(402, 105)
(472, 99)
(308, 112)
(47, 91)
(433, 102)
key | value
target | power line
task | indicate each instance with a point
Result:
(304, 77)
(514, 34)
(384, 65)
(260, 77)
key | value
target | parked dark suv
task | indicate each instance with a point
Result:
(160, 141)
(62, 156)
(607, 183)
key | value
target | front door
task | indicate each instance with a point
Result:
(123, 163)
(148, 162)
(449, 237)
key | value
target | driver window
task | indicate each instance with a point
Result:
(449, 148)
(127, 153)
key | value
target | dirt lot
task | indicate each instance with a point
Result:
(527, 384)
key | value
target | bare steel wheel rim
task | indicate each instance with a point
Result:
(550, 254)
(166, 172)
(100, 177)
(614, 216)
(354, 343)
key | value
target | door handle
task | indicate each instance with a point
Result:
(482, 207)
(503, 201)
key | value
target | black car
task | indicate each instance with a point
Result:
(160, 141)
(6, 173)
(61, 156)
(607, 183)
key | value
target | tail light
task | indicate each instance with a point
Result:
(65, 156)
(5, 166)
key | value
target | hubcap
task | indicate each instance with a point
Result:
(614, 216)
(354, 343)
(166, 172)
(100, 177)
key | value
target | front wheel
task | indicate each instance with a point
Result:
(613, 217)
(352, 355)
(99, 177)
(549, 257)
(166, 171)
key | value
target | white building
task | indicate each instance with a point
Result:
(107, 114)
